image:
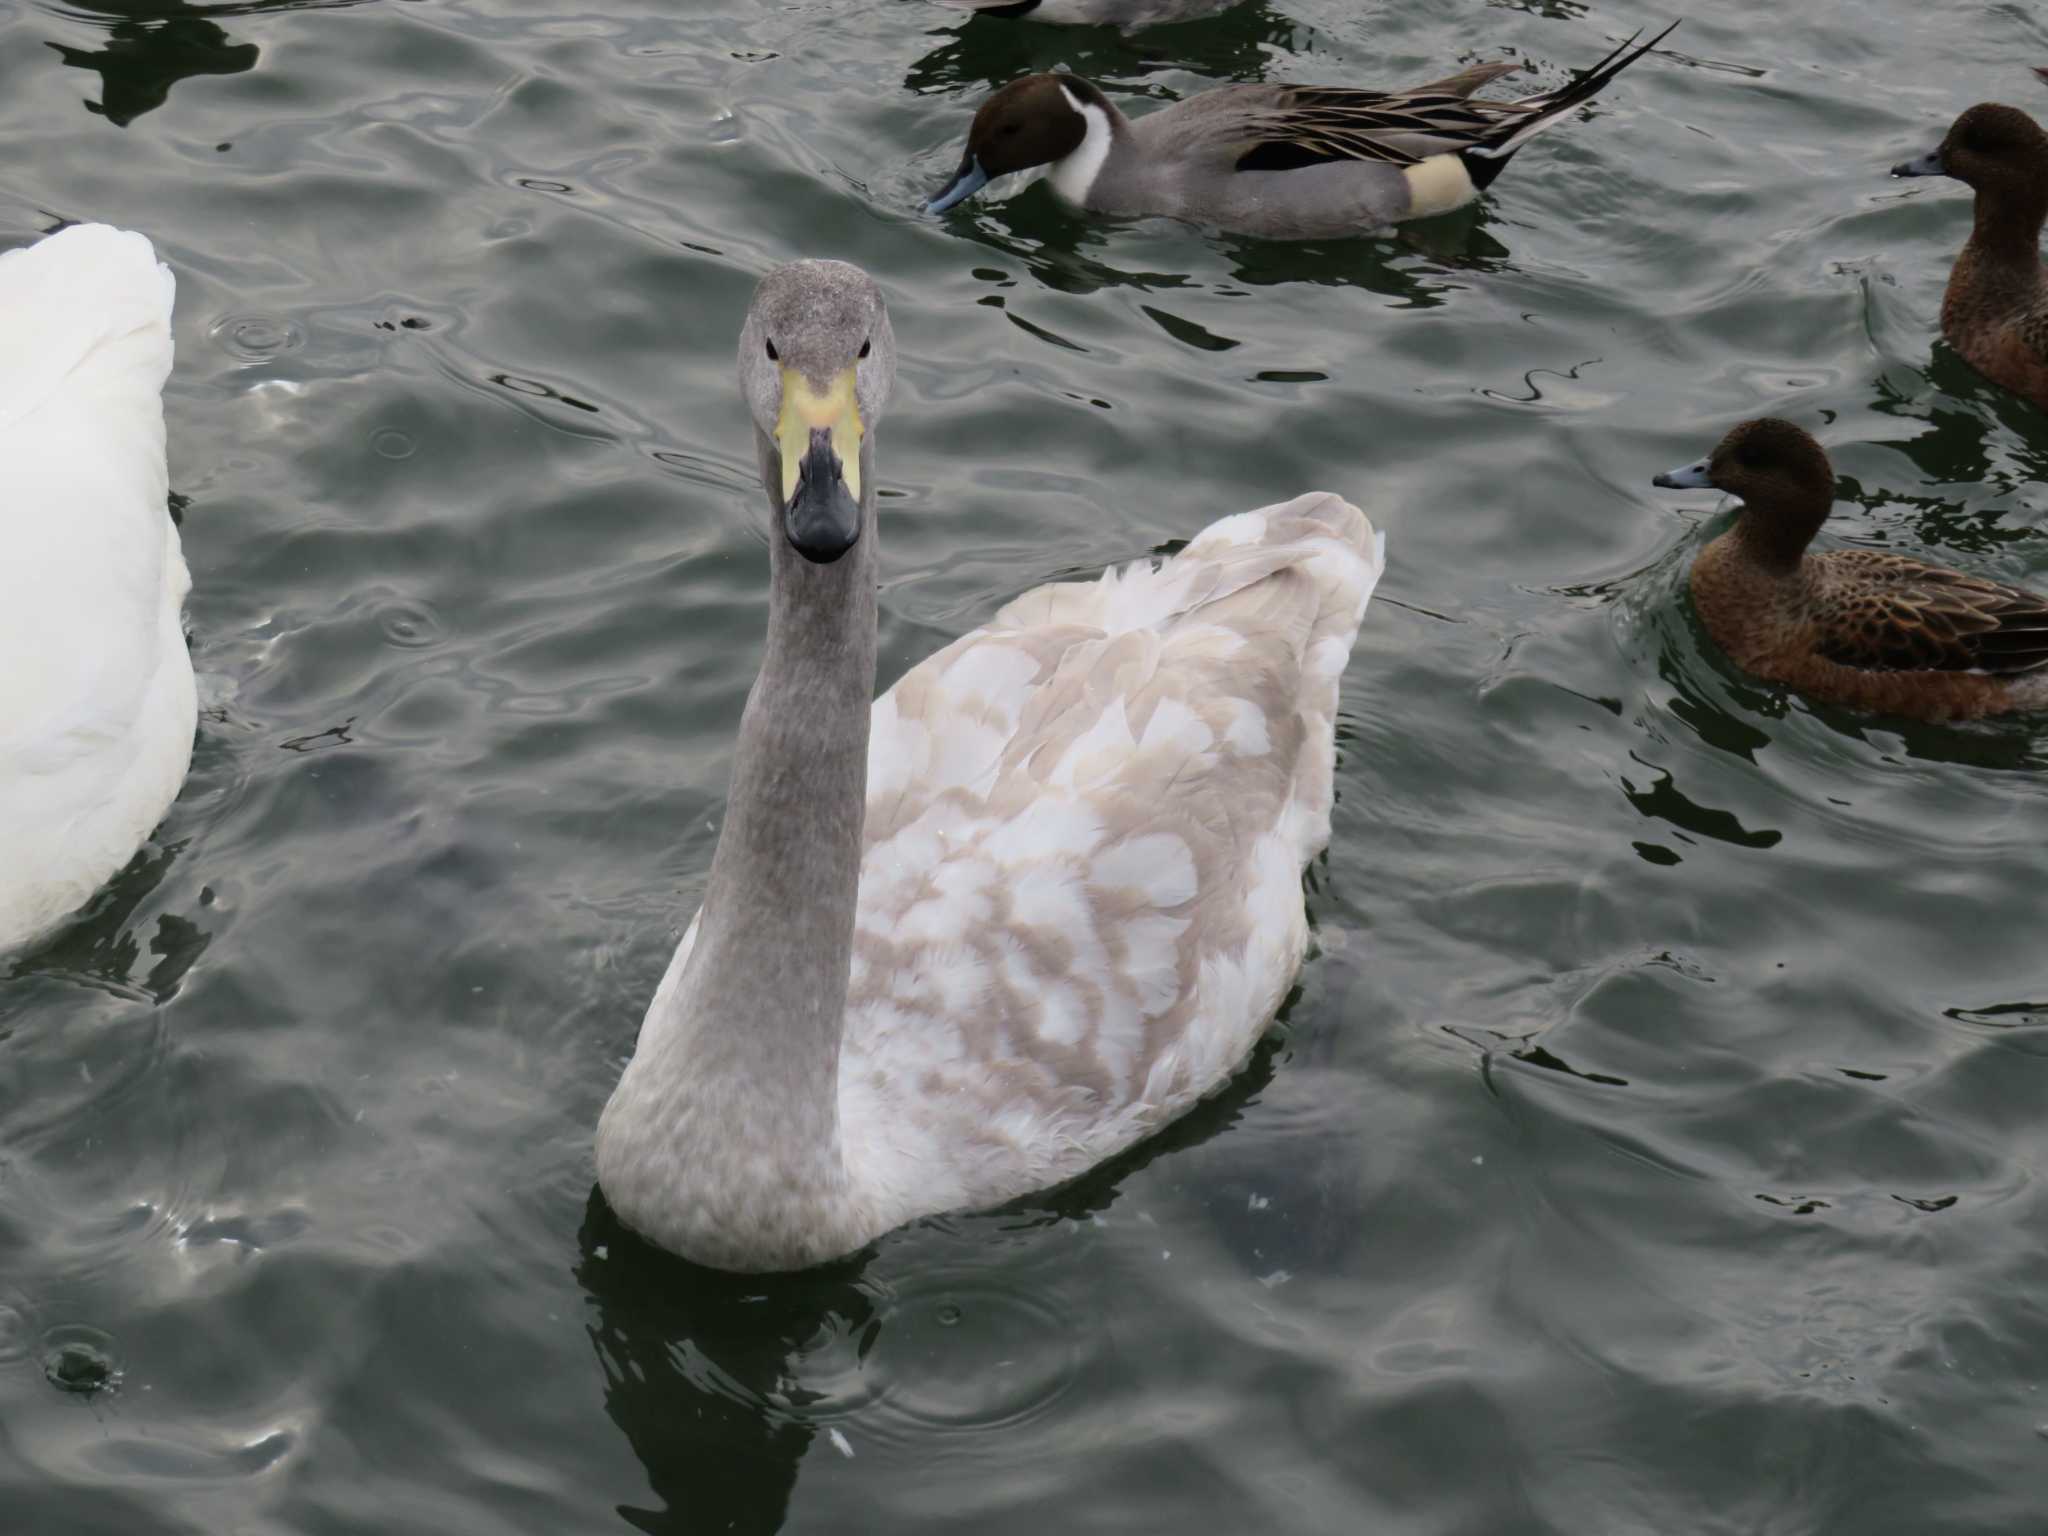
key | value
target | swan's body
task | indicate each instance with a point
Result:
(97, 705)
(1035, 904)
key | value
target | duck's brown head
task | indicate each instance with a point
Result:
(1033, 121)
(1781, 475)
(1990, 148)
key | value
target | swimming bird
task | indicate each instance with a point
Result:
(1293, 162)
(1995, 311)
(1877, 631)
(97, 705)
(1031, 904)
(1130, 15)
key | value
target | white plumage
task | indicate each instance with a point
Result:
(97, 704)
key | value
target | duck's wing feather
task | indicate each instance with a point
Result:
(2032, 330)
(1080, 902)
(1318, 125)
(1896, 614)
(1302, 125)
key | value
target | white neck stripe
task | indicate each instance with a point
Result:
(1076, 173)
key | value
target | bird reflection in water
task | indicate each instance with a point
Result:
(153, 44)
(702, 1372)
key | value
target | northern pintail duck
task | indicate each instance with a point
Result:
(1285, 161)
(1130, 15)
(1880, 632)
(97, 701)
(1031, 905)
(1995, 312)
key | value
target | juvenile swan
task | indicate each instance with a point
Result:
(97, 704)
(1031, 905)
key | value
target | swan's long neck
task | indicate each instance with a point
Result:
(723, 1138)
(777, 933)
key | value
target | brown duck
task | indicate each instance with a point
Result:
(1996, 309)
(1880, 632)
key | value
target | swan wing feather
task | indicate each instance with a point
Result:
(1080, 901)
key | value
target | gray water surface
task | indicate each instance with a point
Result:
(1655, 1143)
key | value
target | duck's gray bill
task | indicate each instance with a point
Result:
(1928, 164)
(967, 181)
(822, 520)
(1691, 477)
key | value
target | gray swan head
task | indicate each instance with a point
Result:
(817, 360)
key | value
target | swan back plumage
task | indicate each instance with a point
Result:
(1081, 900)
(97, 701)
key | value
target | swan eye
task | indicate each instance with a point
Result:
(773, 355)
(867, 346)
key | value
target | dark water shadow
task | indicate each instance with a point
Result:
(1059, 246)
(1417, 266)
(153, 44)
(981, 53)
(1941, 523)
(1959, 443)
(1411, 262)
(704, 1371)
(2015, 744)
(99, 947)
(1553, 10)
(700, 1373)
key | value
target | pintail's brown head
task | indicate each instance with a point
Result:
(1033, 121)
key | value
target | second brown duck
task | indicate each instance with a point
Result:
(1875, 631)
(1995, 312)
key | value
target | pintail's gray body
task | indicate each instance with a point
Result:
(1182, 162)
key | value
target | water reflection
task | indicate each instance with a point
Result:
(149, 49)
(983, 52)
(153, 44)
(1414, 263)
(1968, 437)
(1661, 799)
(701, 1373)
(101, 947)
(723, 1384)
(1417, 266)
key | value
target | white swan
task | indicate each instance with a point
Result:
(97, 706)
(1040, 900)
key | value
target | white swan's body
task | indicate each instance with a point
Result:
(97, 704)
